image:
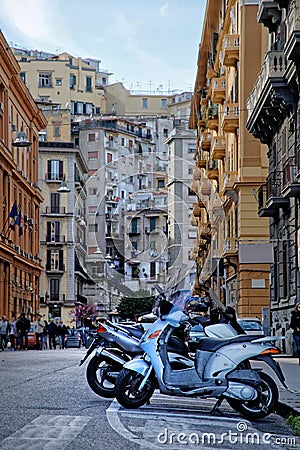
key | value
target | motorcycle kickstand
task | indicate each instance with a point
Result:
(215, 408)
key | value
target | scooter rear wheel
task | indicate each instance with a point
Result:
(127, 389)
(264, 404)
(99, 378)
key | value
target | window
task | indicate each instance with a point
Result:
(160, 184)
(93, 228)
(163, 103)
(53, 231)
(55, 170)
(109, 157)
(144, 103)
(56, 130)
(72, 81)
(91, 137)
(152, 223)
(93, 209)
(93, 191)
(98, 110)
(88, 86)
(55, 202)
(45, 79)
(130, 143)
(89, 108)
(23, 76)
(152, 269)
(54, 289)
(134, 226)
(165, 132)
(285, 270)
(79, 108)
(122, 142)
(92, 156)
(58, 82)
(134, 244)
(191, 148)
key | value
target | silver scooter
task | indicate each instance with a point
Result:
(220, 369)
(113, 345)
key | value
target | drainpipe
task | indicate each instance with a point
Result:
(297, 203)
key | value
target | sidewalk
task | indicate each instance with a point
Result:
(289, 399)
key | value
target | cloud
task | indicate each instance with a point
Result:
(31, 18)
(163, 9)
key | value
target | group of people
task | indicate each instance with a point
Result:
(14, 333)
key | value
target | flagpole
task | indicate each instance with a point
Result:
(10, 217)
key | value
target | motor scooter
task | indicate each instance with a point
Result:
(114, 345)
(220, 368)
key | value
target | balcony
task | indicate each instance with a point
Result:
(269, 14)
(218, 90)
(231, 247)
(202, 162)
(231, 50)
(197, 208)
(55, 210)
(218, 147)
(270, 199)
(211, 73)
(290, 183)
(55, 269)
(212, 171)
(54, 177)
(230, 179)
(134, 231)
(230, 118)
(204, 230)
(205, 142)
(55, 239)
(292, 22)
(213, 123)
(269, 97)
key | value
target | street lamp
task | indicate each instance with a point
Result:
(63, 187)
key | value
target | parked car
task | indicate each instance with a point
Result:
(31, 337)
(251, 325)
(73, 339)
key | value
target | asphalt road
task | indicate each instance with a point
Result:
(46, 403)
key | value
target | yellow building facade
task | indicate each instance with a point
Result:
(230, 163)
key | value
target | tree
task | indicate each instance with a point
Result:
(140, 303)
(82, 312)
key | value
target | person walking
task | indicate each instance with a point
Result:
(295, 325)
(52, 332)
(4, 331)
(39, 330)
(61, 332)
(44, 336)
(23, 327)
(13, 334)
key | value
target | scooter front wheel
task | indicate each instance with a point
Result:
(127, 389)
(265, 403)
(100, 375)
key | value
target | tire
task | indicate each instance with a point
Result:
(97, 375)
(263, 405)
(126, 389)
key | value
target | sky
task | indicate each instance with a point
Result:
(150, 44)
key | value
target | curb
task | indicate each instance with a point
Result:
(284, 410)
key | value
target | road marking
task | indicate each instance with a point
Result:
(46, 432)
(183, 418)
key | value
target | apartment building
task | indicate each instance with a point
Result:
(63, 80)
(230, 164)
(273, 119)
(62, 171)
(20, 123)
(181, 233)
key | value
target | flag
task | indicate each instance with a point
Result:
(14, 211)
(20, 230)
(18, 218)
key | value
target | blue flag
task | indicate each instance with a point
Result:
(18, 218)
(14, 211)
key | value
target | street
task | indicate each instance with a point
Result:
(47, 404)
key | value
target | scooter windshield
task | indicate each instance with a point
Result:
(175, 316)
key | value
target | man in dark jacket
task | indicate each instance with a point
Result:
(23, 327)
(52, 332)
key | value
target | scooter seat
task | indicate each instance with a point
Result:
(212, 344)
(136, 332)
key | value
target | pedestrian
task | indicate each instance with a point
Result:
(295, 325)
(23, 327)
(44, 337)
(39, 330)
(4, 331)
(61, 332)
(52, 332)
(13, 334)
